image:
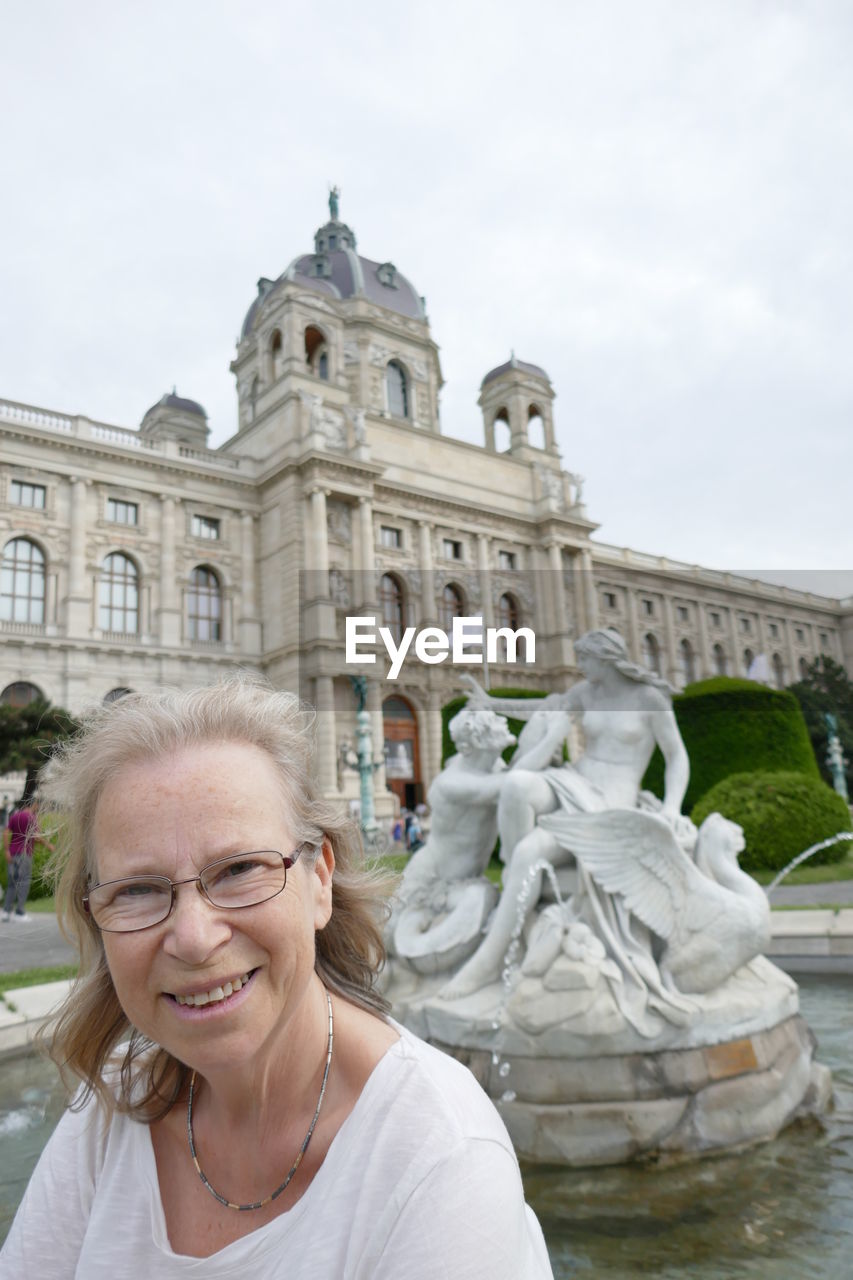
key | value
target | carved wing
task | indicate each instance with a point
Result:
(635, 855)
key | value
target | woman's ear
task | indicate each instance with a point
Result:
(324, 869)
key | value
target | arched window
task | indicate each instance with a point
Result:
(21, 694)
(398, 391)
(452, 605)
(686, 664)
(503, 435)
(276, 355)
(204, 605)
(778, 670)
(535, 427)
(803, 668)
(391, 604)
(650, 654)
(509, 614)
(316, 352)
(719, 660)
(22, 582)
(748, 657)
(115, 694)
(118, 595)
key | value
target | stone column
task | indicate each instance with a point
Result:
(169, 629)
(78, 603)
(316, 547)
(705, 664)
(327, 748)
(427, 574)
(793, 669)
(366, 553)
(735, 638)
(250, 627)
(433, 736)
(590, 596)
(634, 646)
(485, 570)
(669, 633)
(559, 617)
(578, 576)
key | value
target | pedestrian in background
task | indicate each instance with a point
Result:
(19, 840)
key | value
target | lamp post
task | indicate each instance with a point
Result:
(361, 761)
(835, 755)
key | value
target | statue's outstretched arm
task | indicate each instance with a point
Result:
(515, 708)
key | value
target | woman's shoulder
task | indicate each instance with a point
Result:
(435, 1085)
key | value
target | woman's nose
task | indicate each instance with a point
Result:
(195, 928)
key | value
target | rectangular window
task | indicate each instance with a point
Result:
(683, 613)
(715, 620)
(390, 537)
(745, 626)
(610, 599)
(774, 631)
(824, 638)
(800, 634)
(205, 527)
(649, 608)
(452, 549)
(122, 512)
(506, 559)
(27, 495)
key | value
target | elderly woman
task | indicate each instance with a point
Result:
(247, 1108)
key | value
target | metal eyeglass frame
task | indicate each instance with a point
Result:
(288, 861)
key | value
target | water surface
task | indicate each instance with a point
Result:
(783, 1211)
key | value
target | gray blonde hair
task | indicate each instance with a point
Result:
(141, 727)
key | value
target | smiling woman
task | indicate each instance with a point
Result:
(245, 1099)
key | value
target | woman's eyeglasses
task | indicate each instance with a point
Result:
(140, 902)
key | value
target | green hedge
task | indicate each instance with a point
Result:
(782, 814)
(736, 726)
(449, 710)
(38, 887)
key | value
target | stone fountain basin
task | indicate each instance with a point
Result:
(735, 1074)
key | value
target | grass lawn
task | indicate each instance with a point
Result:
(808, 873)
(40, 906)
(35, 977)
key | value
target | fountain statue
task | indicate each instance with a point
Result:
(614, 1001)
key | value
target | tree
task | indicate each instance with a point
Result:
(28, 733)
(826, 686)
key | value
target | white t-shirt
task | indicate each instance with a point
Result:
(420, 1183)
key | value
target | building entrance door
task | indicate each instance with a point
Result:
(402, 758)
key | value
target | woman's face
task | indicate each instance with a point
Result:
(592, 667)
(173, 818)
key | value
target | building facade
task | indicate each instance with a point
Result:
(136, 559)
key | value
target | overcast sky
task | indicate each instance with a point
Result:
(650, 198)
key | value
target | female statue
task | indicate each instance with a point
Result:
(624, 712)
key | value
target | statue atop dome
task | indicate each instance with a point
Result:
(334, 196)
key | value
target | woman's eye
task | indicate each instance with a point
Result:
(137, 890)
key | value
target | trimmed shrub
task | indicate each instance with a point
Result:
(782, 814)
(449, 710)
(38, 886)
(736, 726)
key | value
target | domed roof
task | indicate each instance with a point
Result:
(171, 400)
(336, 270)
(513, 363)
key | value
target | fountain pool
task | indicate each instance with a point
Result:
(776, 1211)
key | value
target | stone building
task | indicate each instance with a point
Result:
(134, 559)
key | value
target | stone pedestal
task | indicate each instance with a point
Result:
(575, 1088)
